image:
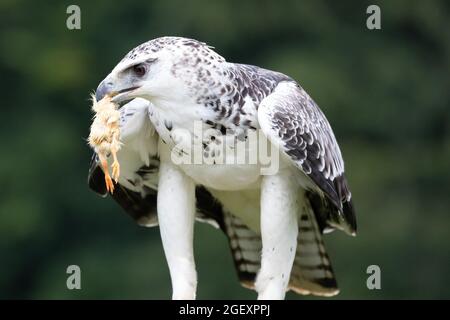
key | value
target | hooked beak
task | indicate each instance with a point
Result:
(106, 87)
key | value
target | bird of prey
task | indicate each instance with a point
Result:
(274, 222)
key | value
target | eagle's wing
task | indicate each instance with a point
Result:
(293, 122)
(141, 206)
(140, 203)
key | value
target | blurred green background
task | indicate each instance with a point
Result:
(386, 93)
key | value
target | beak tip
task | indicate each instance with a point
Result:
(102, 90)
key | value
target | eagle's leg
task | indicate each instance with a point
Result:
(278, 233)
(108, 181)
(176, 216)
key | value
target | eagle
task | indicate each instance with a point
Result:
(168, 89)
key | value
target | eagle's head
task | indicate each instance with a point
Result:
(158, 68)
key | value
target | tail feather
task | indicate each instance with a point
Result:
(311, 272)
(245, 247)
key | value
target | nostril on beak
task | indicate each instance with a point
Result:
(103, 89)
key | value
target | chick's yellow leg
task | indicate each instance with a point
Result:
(108, 181)
(115, 167)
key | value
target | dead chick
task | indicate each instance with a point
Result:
(104, 137)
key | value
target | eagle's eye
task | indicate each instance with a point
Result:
(139, 70)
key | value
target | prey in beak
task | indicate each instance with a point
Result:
(104, 137)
